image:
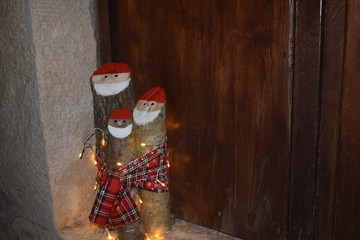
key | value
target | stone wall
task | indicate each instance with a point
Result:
(48, 52)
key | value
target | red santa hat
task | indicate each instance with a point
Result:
(156, 94)
(121, 113)
(112, 68)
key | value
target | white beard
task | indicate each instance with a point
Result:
(120, 132)
(144, 117)
(108, 89)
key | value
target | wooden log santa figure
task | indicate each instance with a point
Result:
(111, 87)
(150, 126)
(135, 156)
(114, 206)
(121, 140)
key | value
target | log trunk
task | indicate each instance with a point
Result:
(116, 150)
(120, 150)
(130, 231)
(155, 210)
(103, 106)
(155, 213)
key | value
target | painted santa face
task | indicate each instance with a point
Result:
(111, 84)
(111, 79)
(149, 106)
(120, 123)
(120, 128)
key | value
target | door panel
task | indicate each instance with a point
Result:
(262, 109)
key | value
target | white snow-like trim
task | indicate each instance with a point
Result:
(108, 89)
(120, 132)
(144, 117)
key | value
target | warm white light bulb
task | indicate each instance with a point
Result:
(119, 164)
(161, 183)
(80, 155)
(143, 144)
(109, 235)
(103, 142)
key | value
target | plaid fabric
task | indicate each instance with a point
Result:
(114, 207)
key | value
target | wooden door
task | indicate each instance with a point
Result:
(258, 109)
(344, 173)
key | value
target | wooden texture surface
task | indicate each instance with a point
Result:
(113, 151)
(227, 75)
(305, 118)
(262, 109)
(347, 209)
(155, 216)
(332, 79)
(103, 32)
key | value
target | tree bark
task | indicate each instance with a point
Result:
(130, 231)
(116, 150)
(103, 106)
(155, 216)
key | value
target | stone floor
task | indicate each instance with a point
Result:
(181, 230)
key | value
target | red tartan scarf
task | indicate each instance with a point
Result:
(114, 207)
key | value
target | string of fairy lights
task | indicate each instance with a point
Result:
(88, 145)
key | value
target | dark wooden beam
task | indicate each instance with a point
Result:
(347, 211)
(334, 17)
(305, 118)
(103, 33)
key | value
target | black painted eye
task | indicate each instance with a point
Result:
(116, 75)
(115, 121)
(144, 103)
(152, 103)
(105, 77)
(124, 121)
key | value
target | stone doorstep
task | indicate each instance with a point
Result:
(181, 230)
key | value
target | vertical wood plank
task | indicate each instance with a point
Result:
(305, 117)
(332, 78)
(217, 172)
(262, 73)
(347, 212)
(103, 27)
